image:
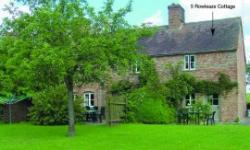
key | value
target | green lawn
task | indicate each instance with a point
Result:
(125, 137)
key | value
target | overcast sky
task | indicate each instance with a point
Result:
(155, 11)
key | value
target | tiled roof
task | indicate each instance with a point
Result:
(194, 38)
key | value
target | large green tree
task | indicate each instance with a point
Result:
(65, 42)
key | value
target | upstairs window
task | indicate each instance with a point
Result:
(189, 62)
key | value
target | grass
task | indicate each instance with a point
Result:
(125, 137)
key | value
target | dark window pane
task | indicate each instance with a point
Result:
(92, 102)
(186, 61)
(187, 102)
(191, 65)
(191, 58)
(193, 96)
(215, 102)
(92, 96)
(186, 66)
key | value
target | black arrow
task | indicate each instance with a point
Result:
(212, 28)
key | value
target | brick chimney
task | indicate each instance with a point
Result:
(176, 15)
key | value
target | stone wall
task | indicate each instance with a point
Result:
(208, 65)
(99, 93)
(241, 72)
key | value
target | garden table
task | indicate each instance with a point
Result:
(91, 113)
(183, 117)
(187, 116)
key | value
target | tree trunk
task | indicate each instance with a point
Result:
(69, 85)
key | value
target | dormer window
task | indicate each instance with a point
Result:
(189, 62)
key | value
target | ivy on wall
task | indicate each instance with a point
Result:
(222, 86)
(181, 83)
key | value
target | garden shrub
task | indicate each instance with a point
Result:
(237, 119)
(199, 106)
(50, 107)
(148, 75)
(145, 106)
(204, 109)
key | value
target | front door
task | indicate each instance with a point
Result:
(214, 102)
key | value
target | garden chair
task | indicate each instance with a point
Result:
(87, 113)
(210, 118)
(101, 114)
(94, 114)
(186, 118)
(183, 117)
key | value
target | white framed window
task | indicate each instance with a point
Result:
(189, 62)
(137, 68)
(192, 62)
(189, 99)
(89, 99)
(213, 99)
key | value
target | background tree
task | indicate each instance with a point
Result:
(66, 43)
(248, 68)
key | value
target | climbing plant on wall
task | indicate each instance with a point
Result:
(222, 86)
(181, 83)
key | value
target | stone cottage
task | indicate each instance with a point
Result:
(203, 55)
